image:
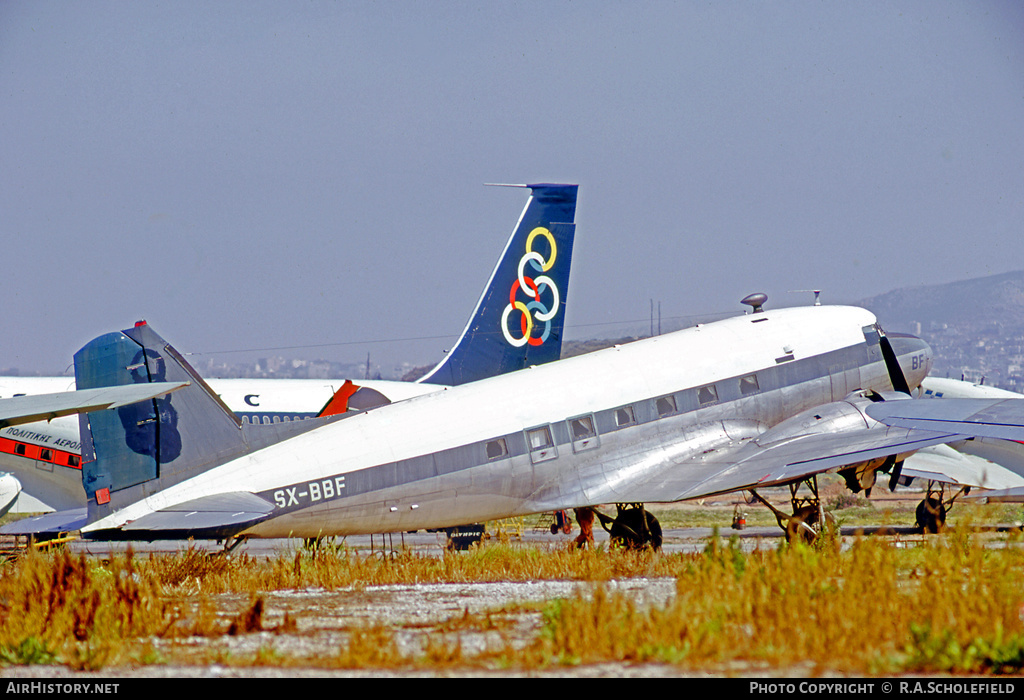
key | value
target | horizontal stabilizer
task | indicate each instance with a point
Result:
(27, 409)
(48, 523)
(219, 515)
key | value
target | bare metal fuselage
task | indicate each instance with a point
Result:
(573, 433)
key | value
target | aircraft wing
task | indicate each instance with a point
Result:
(27, 409)
(984, 418)
(997, 418)
(757, 464)
(1014, 495)
(944, 463)
(800, 458)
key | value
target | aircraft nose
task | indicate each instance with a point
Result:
(914, 355)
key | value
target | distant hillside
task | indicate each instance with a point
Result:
(975, 327)
(968, 303)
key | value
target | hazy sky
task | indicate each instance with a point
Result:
(262, 175)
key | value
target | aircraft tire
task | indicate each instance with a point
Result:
(931, 515)
(802, 525)
(628, 530)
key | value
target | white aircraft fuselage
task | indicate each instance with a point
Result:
(46, 457)
(572, 433)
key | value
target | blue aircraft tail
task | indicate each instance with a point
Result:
(131, 453)
(519, 319)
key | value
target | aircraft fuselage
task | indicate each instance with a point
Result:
(557, 436)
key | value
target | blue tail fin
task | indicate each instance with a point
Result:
(133, 452)
(519, 319)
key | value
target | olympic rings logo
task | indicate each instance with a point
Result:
(533, 312)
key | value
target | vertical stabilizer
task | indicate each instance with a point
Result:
(520, 317)
(134, 451)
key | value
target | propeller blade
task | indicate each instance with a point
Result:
(894, 477)
(899, 382)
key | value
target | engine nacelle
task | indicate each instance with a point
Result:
(839, 416)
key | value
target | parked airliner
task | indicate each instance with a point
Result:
(771, 398)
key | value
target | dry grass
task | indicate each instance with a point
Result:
(73, 609)
(194, 571)
(951, 605)
(873, 609)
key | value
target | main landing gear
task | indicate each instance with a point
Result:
(633, 527)
(931, 512)
(809, 516)
(230, 544)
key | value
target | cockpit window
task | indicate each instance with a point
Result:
(871, 334)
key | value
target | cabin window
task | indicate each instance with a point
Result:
(497, 448)
(542, 447)
(583, 433)
(707, 395)
(73, 460)
(19, 449)
(539, 438)
(666, 406)
(46, 454)
(582, 427)
(624, 416)
(748, 384)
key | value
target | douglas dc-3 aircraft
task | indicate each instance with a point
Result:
(517, 322)
(770, 398)
(27, 409)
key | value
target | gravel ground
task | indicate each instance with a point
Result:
(413, 611)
